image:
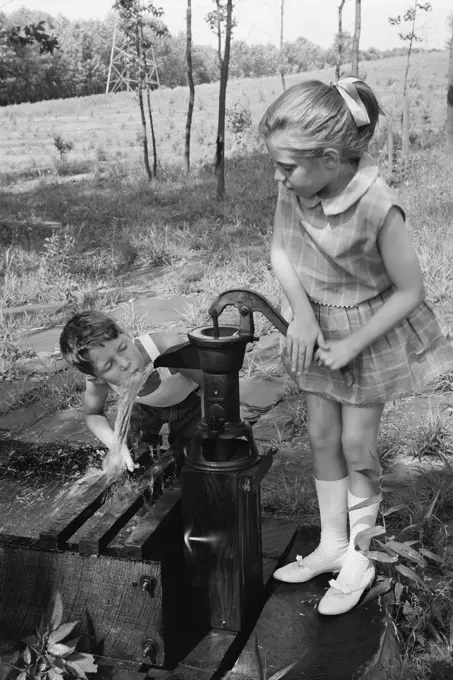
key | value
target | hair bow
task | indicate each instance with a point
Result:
(346, 87)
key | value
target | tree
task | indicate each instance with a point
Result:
(191, 88)
(450, 92)
(132, 16)
(282, 51)
(356, 38)
(221, 22)
(409, 16)
(340, 39)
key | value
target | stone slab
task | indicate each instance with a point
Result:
(67, 426)
(31, 310)
(160, 311)
(46, 340)
(12, 392)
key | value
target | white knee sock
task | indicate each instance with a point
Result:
(356, 564)
(332, 500)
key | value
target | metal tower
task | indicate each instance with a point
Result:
(122, 74)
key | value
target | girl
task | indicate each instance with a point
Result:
(360, 332)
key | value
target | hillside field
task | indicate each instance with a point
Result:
(108, 128)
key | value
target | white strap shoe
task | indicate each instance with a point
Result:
(300, 572)
(340, 599)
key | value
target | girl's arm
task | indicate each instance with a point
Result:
(303, 332)
(403, 269)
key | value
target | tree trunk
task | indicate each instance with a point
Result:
(450, 96)
(356, 38)
(220, 141)
(409, 50)
(282, 51)
(191, 88)
(141, 77)
(148, 100)
(340, 39)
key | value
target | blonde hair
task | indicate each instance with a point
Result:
(314, 116)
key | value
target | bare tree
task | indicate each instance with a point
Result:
(282, 50)
(356, 38)
(450, 93)
(132, 17)
(410, 17)
(340, 39)
(191, 87)
(222, 16)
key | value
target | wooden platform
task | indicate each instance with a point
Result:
(356, 645)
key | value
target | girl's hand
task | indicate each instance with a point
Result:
(301, 339)
(338, 355)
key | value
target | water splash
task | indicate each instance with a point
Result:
(114, 464)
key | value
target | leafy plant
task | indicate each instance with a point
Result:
(63, 147)
(412, 559)
(49, 654)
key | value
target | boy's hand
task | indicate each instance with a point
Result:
(121, 460)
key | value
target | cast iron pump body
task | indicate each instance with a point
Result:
(223, 440)
(220, 480)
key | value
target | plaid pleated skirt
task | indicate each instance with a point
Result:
(405, 361)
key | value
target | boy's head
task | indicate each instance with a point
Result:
(93, 343)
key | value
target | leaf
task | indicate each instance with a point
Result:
(27, 655)
(369, 533)
(22, 676)
(258, 659)
(62, 632)
(406, 551)
(76, 669)
(31, 641)
(84, 661)
(411, 574)
(367, 502)
(451, 634)
(430, 509)
(54, 674)
(377, 591)
(369, 473)
(380, 556)
(385, 547)
(431, 555)
(56, 612)
(58, 649)
(394, 508)
(399, 589)
(280, 674)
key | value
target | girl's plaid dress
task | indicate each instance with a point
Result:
(332, 245)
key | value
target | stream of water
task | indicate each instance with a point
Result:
(114, 462)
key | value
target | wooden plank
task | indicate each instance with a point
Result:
(206, 658)
(74, 513)
(114, 515)
(77, 511)
(270, 564)
(290, 629)
(163, 514)
(277, 535)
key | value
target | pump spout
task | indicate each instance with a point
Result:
(184, 355)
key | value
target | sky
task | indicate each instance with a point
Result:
(259, 20)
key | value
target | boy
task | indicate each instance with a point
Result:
(93, 343)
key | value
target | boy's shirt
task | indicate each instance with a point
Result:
(162, 388)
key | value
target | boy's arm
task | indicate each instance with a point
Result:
(166, 341)
(93, 403)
